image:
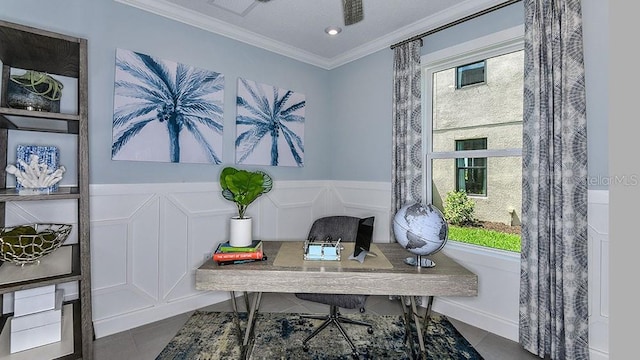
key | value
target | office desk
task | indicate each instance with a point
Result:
(447, 278)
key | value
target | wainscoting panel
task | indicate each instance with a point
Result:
(165, 231)
(129, 283)
(598, 236)
(286, 213)
(495, 309)
(148, 239)
(364, 199)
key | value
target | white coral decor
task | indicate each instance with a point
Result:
(35, 175)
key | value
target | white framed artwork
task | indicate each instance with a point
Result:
(166, 111)
(269, 125)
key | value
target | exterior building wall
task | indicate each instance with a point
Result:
(487, 110)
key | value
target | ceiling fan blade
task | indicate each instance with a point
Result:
(352, 10)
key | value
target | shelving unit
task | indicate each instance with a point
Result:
(23, 47)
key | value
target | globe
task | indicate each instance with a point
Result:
(422, 230)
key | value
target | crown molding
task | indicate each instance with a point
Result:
(172, 11)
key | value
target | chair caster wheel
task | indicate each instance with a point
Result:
(370, 330)
(305, 348)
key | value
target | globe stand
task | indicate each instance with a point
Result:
(419, 261)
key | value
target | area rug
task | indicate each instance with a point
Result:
(212, 336)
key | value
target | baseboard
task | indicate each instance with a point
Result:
(476, 317)
(598, 355)
(131, 320)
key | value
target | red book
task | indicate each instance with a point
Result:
(234, 262)
(222, 256)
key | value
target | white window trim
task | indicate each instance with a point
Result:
(499, 43)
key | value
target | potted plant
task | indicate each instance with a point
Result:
(34, 90)
(243, 187)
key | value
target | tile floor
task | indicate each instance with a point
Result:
(146, 342)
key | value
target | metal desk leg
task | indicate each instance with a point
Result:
(427, 314)
(236, 317)
(246, 301)
(416, 319)
(408, 333)
(252, 313)
(251, 320)
(412, 315)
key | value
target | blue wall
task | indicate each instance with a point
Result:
(348, 115)
(361, 96)
(108, 25)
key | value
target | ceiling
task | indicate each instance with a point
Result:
(295, 28)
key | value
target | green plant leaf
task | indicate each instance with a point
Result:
(244, 187)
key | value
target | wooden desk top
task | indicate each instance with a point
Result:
(447, 278)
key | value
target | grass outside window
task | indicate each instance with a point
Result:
(485, 237)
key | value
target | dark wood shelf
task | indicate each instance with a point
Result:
(74, 315)
(44, 280)
(26, 48)
(39, 114)
(28, 120)
(11, 194)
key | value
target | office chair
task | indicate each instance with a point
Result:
(346, 228)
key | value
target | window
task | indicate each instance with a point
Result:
(470, 74)
(474, 138)
(471, 173)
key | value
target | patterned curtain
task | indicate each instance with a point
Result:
(406, 169)
(553, 276)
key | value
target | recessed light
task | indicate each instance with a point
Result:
(333, 30)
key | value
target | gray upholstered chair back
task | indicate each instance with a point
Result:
(346, 229)
(334, 227)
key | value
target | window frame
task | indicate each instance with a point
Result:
(483, 167)
(459, 79)
(496, 44)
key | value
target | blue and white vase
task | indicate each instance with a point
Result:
(47, 155)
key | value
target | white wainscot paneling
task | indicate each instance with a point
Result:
(148, 239)
(146, 242)
(286, 213)
(124, 253)
(495, 309)
(598, 235)
(364, 199)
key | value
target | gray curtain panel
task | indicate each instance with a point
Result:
(553, 279)
(406, 167)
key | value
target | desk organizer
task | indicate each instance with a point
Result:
(314, 250)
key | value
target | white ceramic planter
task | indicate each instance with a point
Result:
(240, 232)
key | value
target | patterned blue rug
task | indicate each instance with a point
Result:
(212, 336)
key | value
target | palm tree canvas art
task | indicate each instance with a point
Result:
(166, 111)
(269, 125)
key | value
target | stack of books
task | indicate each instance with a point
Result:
(226, 254)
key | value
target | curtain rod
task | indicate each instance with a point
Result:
(456, 22)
